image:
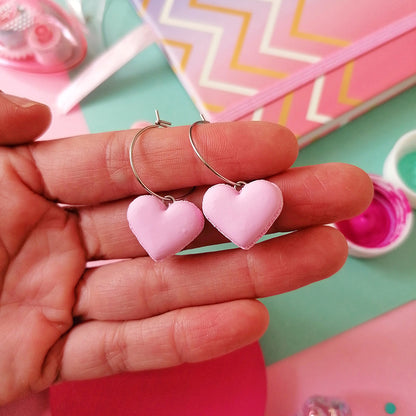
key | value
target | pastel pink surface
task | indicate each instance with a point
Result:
(163, 231)
(44, 88)
(234, 384)
(246, 215)
(367, 367)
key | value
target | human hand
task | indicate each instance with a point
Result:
(60, 321)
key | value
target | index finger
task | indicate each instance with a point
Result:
(21, 120)
(95, 168)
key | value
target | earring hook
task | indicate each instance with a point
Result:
(226, 180)
(158, 123)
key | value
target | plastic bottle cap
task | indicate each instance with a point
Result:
(400, 166)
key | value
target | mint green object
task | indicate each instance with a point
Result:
(363, 289)
(407, 170)
(390, 408)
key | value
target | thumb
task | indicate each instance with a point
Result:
(21, 120)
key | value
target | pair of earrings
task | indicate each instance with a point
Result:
(242, 212)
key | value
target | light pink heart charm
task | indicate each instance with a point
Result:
(246, 215)
(164, 230)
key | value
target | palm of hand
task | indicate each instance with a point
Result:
(42, 259)
(137, 315)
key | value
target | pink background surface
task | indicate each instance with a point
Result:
(45, 88)
(234, 384)
(367, 367)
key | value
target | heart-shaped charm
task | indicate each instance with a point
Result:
(246, 215)
(164, 230)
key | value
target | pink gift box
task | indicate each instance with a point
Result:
(309, 64)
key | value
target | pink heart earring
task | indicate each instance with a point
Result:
(161, 224)
(242, 212)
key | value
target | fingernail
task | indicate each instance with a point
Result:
(20, 101)
(140, 124)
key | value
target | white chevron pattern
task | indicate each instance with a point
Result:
(217, 33)
(258, 114)
(210, 55)
(265, 46)
(312, 113)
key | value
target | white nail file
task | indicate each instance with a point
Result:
(104, 66)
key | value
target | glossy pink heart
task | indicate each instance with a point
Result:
(164, 230)
(246, 215)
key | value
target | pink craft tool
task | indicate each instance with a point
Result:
(39, 36)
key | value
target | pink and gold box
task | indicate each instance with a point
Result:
(311, 65)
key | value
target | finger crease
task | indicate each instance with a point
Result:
(116, 350)
(252, 274)
(178, 338)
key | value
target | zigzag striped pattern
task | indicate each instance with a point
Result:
(227, 50)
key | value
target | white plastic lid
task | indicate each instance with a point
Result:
(404, 146)
(387, 223)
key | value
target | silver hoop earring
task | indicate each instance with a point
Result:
(161, 224)
(242, 212)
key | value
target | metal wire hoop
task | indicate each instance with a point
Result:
(158, 123)
(236, 185)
